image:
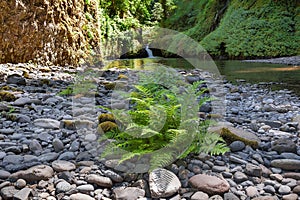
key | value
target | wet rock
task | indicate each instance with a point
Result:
(62, 165)
(36, 173)
(209, 184)
(163, 183)
(128, 193)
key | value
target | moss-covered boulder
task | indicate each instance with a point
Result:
(7, 96)
(110, 85)
(231, 134)
(107, 126)
(55, 32)
(106, 117)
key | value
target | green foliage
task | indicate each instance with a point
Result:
(162, 124)
(66, 92)
(240, 29)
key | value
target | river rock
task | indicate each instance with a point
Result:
(8, 192)
(231, 134)
(80, 196)
(209, 184)
(63, 186)
(237, 146)
(85, 188)
(22, 194)
(4, 174)
(240, 177)
(58, 145)
(163, 183)
(290, 197)
(62, 165)
(36, 173)
(253, 170)
(47, 123)
(200, 196)
(128, 193)
(286, 164)
(15, 79)
(284, 189)
(99, 180)
(284, 145)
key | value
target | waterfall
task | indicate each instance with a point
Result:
(150, 54)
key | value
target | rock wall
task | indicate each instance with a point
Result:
(48, 32)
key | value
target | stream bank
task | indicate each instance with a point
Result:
(66, 164)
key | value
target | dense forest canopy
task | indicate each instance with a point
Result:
(226, 29)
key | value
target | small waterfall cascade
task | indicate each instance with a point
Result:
(149, 52)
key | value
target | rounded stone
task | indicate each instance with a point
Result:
(62, 165)
(237, 146)
(20, 183)
(284, 189)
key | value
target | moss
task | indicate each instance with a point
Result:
(229, 137)
(45, 81)
(26, 74)
(107, 126)
(7, 96)
(110, 86)
(122, 76)
(104, 117)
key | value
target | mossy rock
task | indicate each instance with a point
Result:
(45, 81)
(107, 126)
(104, 117)
(231, 134)
(110, 86)
(7, 96)
(122, 76)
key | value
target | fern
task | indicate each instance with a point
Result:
(163, 122)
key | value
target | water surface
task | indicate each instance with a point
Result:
(278, 76)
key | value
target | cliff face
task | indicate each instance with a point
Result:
(241, 29)
(56, 32)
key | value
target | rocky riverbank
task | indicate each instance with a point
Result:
(293, 60)
(49, 148)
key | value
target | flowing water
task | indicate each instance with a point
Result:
(277, 76)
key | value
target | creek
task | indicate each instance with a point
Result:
(274, 76)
